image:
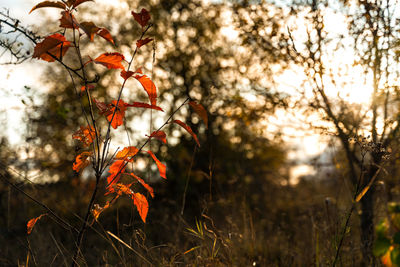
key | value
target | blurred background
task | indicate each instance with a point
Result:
(303, 106)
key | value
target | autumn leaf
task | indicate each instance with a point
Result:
(104, 33)
(119, 115)
(127, 152)
(81, 161)
(142, 18)
(160, 135)
(121, 189)
(32, 223)
(103, 108)
(89, 28)
(161, 167)
(111, 60)
(143, 42)
(68, 21)
(148, 86)
(144, 105)
(78, 2)
(188, 129)
(141, 204)
(55, 44)
(116, 169)
(86, 135)
(126, 74)
(97, 210)
(57, 4)
(200, 110)
(144, 184)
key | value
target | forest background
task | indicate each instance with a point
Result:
(268, 73)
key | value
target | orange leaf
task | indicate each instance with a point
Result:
(142, 18)
(161, 167)
(57, 4)
(148, 187)
(32, 223)
(126, 74)
(97, 210)
(55, 44)
(144, 105)
(141, 42)
(86, 135)
(119, 115)
(120, 189)
(81, 161)
(200, 110)
(127, 152)
(141, 204)
(160, 135)
(106, 35)
(187, 128)
(68, 20)
(89, 28)
(116, 169)
(149, 86)
(111, 60)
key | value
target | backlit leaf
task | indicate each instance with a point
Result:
(142, 18)
(57, 4)
(55, 44)
(97, 210)
(160, 135)
(111, 60)
(188, 129)
(81, 161)
(149, 87)
(103, 108)
(32, 223)
(143, 42)
(200, 110)
(78, 2)
(116, 169)
(127, 152)
(141, 204)
(144, 105)
(161, 167)
(86, 135)
(145, 185)
(89, 28)
(119, 115)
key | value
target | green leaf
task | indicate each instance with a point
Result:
(381, 246)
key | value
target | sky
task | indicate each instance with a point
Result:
(306, 144)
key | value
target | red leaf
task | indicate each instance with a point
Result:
(81, 161)
(200, 110)
(116, 169)
(144, 105)
(111, 60)
(149, 87)
(142, 18)
(78, 2)
(89, 28)
(161, 167)
(126, 74)
(127, 152)
(57, 4)
(106, 35)
(187, 128)
(86, 135)
(148, 187)
(141, 42)
(55, 44)
(160, 135)
(32, 223)
(120, 189)
(119, 115)
(68, 20)
(103, 108)
(141, 204)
